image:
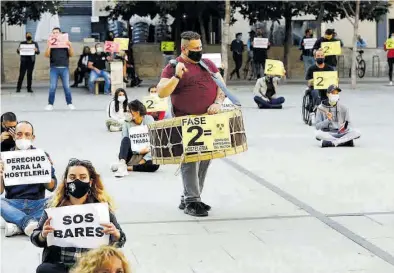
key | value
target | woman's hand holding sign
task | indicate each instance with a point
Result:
(47, 228)
(110, 229)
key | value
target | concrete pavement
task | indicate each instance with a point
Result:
(284, 206)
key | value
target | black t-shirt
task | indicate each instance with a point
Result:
(59, 57)
(315, 68)
(7, 144)
(98, 60)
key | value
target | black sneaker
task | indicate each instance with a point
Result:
(196, 209)
(30, 90)
(18, 90)
(182, 205)
(74, 85)
(350, 143)
(326, 144)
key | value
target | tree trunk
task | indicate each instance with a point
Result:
(354, 53)
(177, 31)
(320, 19)
(202, 29)
(288, 43)
(225, 37)
(2, 58)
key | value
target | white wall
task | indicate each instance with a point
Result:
(13, 33)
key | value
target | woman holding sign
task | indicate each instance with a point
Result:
(389, 47)
(117, 111)
(159, 115)
(134, 152)
(81, 185)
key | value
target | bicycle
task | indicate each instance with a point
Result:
(360, 65)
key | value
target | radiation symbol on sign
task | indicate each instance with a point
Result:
(220, 126)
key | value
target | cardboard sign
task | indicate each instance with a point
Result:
(123, 43)
(274, 67)
(228, 105)
(26, 167)
(260, 42)
(331, 48)
(167, 46)
(139, 137)
(216, 58)
(155, 104)
(58, 41)
(206, 133)
(309, 43)
(79, 225)
(27, 50)
(390, 43)
(322, 80)
(111, 47)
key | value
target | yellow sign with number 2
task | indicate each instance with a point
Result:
(206, 133)
(322, 80)
(274, 68)
(390, 43)
(331, 48)
(155, 104)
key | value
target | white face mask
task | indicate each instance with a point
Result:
(99, 50)
(121, 98)
(333, 99)
(23, 144)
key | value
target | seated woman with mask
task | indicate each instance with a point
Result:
(117, 111)
(132, 159)
(332, 122)
(265, 92)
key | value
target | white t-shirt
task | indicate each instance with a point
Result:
(111, 112)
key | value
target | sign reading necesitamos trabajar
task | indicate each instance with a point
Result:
(26, 167)
(206, 133)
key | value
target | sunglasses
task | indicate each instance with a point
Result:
(74, 161)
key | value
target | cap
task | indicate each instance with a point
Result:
(329, 31)
(332, 88)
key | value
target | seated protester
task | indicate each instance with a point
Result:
(82, 69)
(23, 205)
(8, 123)
(332, 121)
(319, 66)
(156, 115)
(81, 185)
(117, 111)
(129, 160)
(265, 93)
(97, 65)
(106, 259)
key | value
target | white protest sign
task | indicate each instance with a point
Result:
(26, 167)
(79, 225)
(260, 42)
(216, 58)
(309, 43)
(27, 50)
(228, 105)
(139, 137)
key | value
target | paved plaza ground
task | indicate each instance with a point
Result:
(284, 206)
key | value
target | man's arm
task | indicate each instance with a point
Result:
(167, 83)
(17, 50)
(70, 50)
(321, 121)
(91, 66)
(220, 95)
(38, 49)
(48, 52)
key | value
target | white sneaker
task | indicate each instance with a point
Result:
(12, 230)
(49, 107)
(312, 118)
(391, 83)
(30, 228)
(122, 170)
(72, 107)
(114, 128)
(114, 167)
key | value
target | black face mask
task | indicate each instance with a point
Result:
(195, 55)
(28, 38)
(320, 60)
(77, 188)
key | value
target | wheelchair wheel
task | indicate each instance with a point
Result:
(306, 101)
(361, 69)
(246, 71)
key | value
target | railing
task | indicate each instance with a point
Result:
(341, 66)
(375, 58)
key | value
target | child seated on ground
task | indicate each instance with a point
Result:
(265, 93)
(117, 111)
(156, 115)
(332, 122)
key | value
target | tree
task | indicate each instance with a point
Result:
(225, 38)
(19, 12)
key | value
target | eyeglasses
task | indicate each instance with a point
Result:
(74, 161)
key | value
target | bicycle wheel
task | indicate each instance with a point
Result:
(361, 69)
(246, 70)
(305, 108)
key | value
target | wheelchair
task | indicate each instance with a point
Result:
(308, 106)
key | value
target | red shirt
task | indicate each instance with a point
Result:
(195, 92)
(390, 52)
(157, 115)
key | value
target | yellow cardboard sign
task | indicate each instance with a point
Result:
(322, 80)
(123, 43)
(155, 104)
(390, 43)
(331, 48)
(274, 67)
(167, 46)
(206, 133)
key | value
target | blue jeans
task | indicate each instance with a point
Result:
(93, 77)
(273, 103)
(21, 211)
(308, 62)
(64, 74)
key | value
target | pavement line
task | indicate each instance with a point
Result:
(377, 251)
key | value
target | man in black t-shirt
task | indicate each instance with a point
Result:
(97, 65)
